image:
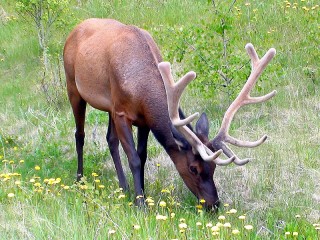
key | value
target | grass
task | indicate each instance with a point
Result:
(278, 192)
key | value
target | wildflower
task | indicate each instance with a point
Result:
(227, 225)
(221, 217)
(21, 161)
(215, 233)
(305, 8)
(183, 226)
(37, 168)
(198, 224)
(172, 215)
(139, 196)
(242, 217)
(101, 186)
(94, 174)
(297, 216)
(149, 200)
(97, 180)
(248, 227)
(247, 4)
(199, 206)
(316, 224)
(287, 233)
(130, 203)
(11, 162)
(215, 229)
(46, 180)
(15, 148)
(235, 231)
(136, 227)
(37, 184)
(32, 180)
(295, 233)
(165, 191)
(219, 224)
(209, 225)
(158, 164)
(58, 180)
(84, 187)
(10, 195)
(162, 204)
(17, 183)
(202, 201)
(233, 211)
(317, 228)
(111, 231)
(161, 217)
(182, 220)
(121, 196)
(5, 161)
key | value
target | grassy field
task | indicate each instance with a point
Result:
(275, 196)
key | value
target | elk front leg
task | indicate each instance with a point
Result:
(124, 131)
(113, 142)
(143, 133)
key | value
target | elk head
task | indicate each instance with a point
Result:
(197, 172)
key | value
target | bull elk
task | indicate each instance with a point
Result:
(118, 68)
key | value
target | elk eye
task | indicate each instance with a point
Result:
(193, 170)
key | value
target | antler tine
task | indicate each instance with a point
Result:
(244, 98)
(174, 91)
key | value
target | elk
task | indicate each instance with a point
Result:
(118, 69)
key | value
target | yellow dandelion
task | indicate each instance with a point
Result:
(32, 180)
(10, 195)
(94, 174)
(165, 191)
(111, 231)
(46, 180)
(97, 180)
(15, 148)
(198, 206)
(37, 168)
(215, 233)
(139, 196)
(226, 205)
(248, 227)
(21, 161)
(305, 8)
(317, 228)
(235, 231)
(172, 215)
(83, 187)
(295, 233)
(5, 161)
(247, 4)
(202, 201)
(287, 233)
(149, 200)
(136, 227)
(242, 217)
(11, 162)
(66, 187)
(219, 224)
(182, 220)
(158, 164)
(297, 216)
(101, 186)
(162, 204)
(37, 184)
(150, 204)
(232, 211)
(221, 217)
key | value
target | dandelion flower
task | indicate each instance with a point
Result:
(11, 162)
(202, 201)
(21, 161)
(242, 217)
(158, 164)
(287, 233)
(66, 187)
(172, 215)
(17, 182)
(94, 174)
(165, 191)
(111, 231)
(297, 216)
(235, 231)
(219, 224)
(162, 204)
(37, 184)
(121, 196)
(32, 180)
(222, 217)
(226, 205)
(101, 186)
(10, 195)
(248, 227)
(247, 4)
(209, 225)
(37, 168)
(97, 180)
(295, 233)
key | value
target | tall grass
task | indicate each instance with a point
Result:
(277, 192)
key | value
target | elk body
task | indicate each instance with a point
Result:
(117, 68)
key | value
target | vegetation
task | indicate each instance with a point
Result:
(275, 196)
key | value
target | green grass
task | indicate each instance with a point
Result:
(278, 191)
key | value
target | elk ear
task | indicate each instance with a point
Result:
(202, 125)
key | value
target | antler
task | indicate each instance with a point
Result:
(244, 98)
(174, 91)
